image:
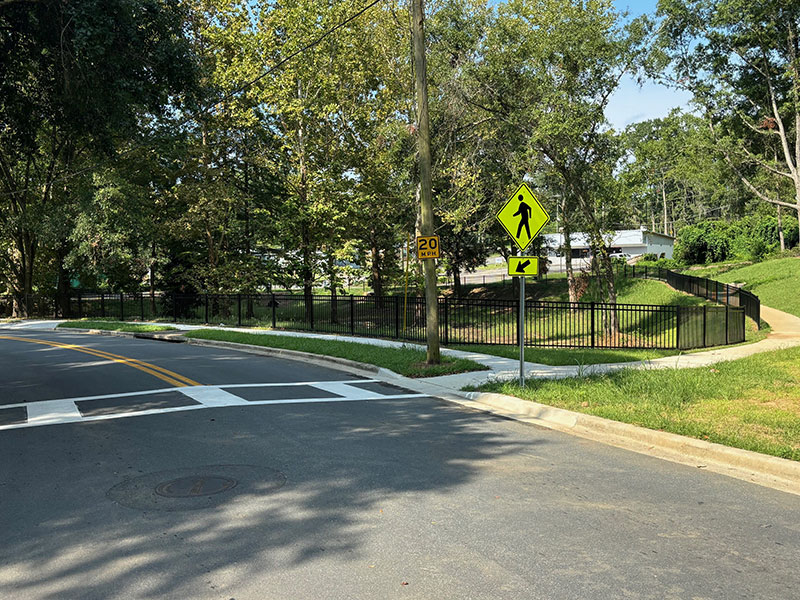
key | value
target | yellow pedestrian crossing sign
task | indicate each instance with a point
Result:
(523, 217)
(523, 266)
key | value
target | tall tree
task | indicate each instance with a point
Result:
(741, 60)
(75, 78)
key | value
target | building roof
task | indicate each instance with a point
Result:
(615, 239)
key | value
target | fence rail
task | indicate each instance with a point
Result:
(461, 321)
(722, 293)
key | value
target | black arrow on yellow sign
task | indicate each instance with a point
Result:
(523, 266)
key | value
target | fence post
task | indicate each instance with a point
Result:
(593, 329)
(744, 321)
(102, 305)
(122, 306)
(311, 313)
(80, 306)
(705, 318)
(141, 304)
(446, 324)
(274, 307)
(352, 315)
(678, 327)
(239, 310)
(397, 317)
(206, 303)
(727, 318)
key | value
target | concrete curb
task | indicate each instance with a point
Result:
(761, 469)
(318, 359)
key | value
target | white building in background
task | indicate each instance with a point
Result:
(633, 242)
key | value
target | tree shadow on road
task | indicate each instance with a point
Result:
(354, 472)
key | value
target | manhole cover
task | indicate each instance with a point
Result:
(198, 485)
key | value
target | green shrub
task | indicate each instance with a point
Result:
(752, 238)
(664, 263)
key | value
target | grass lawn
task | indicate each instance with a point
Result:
(115, 326)
(752, 403)
(406, 361)
(776, 282)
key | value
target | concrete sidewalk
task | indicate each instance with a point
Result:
(785, 333)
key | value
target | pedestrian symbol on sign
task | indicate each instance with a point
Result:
(524, 212)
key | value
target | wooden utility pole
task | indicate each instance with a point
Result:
(424, 158)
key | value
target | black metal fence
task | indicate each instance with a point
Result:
(461, 321)
(722, 293)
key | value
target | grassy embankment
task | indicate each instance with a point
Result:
(752, 403)
(776, 282)
(115, 326)
(630, 291)
(406, 361)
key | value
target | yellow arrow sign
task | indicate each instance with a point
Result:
(523, 266)
(523, 217)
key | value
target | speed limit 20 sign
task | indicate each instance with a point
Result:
(428, 247)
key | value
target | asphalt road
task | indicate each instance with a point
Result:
(279, 479)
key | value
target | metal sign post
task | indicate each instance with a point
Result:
(521, 330)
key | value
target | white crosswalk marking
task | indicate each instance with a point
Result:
(212, 396)
(49, 412)
(343, 389)
(68, 410)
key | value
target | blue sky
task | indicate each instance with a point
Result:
(630, 103)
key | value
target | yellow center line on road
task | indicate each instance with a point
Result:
(170, 377)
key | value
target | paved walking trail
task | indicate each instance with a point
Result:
(785, 334)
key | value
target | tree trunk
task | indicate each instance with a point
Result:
(566, 230)
(24, 281)
(377, 274)
(780, 230)
(334, 284)
(62, 307)
(307, 270)
(456, 281)
(152, 281)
